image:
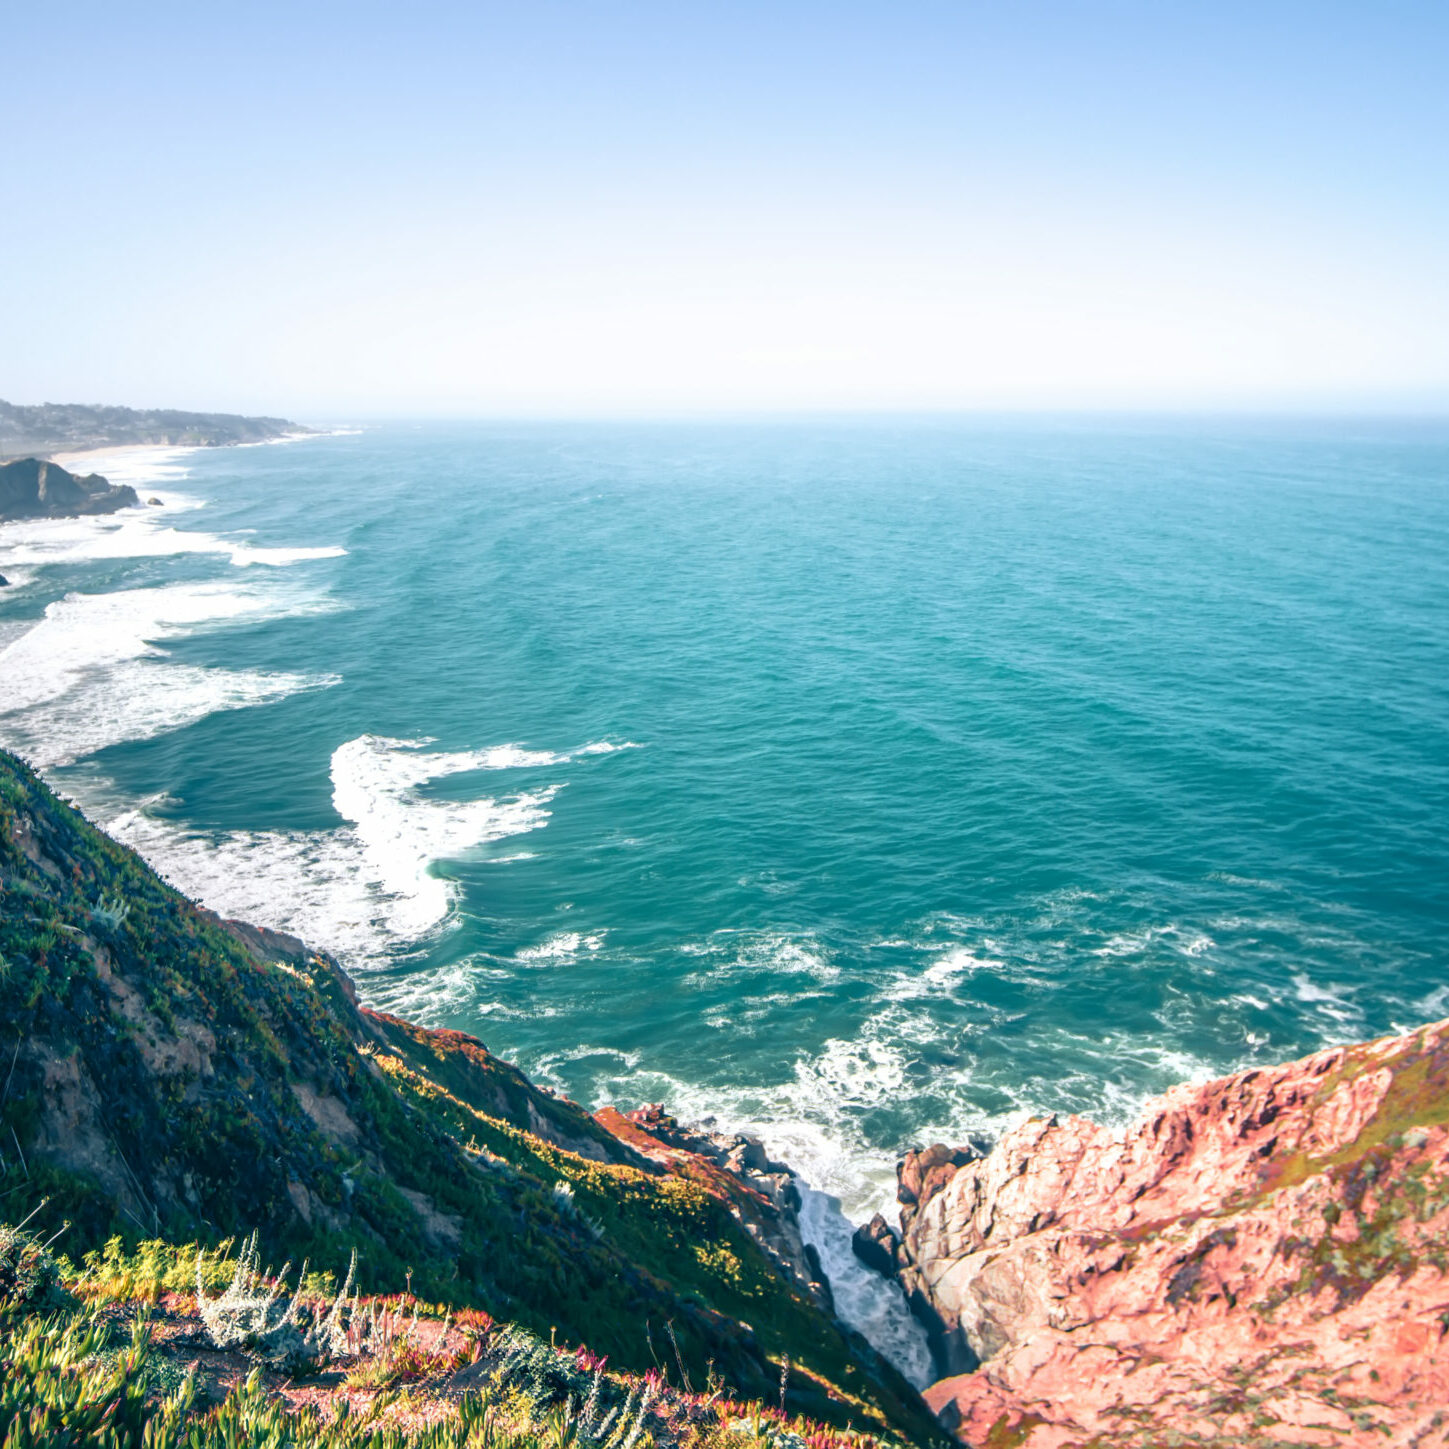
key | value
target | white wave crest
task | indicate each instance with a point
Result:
(93, 673)
(942, 976)
(139, 464)
(561, 949)
(368, 888)
(1328, 1001)
(144, 532)
(761, 954)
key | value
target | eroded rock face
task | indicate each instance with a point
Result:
(1263, 1259)
(30, 488)
(920, 1175)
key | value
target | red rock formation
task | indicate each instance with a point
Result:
(921, 1175)
(1262, 1260)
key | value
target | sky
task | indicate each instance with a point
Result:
(342, 211)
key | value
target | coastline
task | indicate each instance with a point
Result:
(58, 432)
(870, 1304)
(847, 1076)
(152, 470)
(85, 457)
(447, 1167)
(1153, 1240)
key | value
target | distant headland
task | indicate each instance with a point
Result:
(44, 429)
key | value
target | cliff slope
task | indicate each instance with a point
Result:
(165, 1074)
(1261, 1260)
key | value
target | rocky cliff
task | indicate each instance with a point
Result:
(765, 1197)
(168, 1075)
(30, 488)
(1261, 1260)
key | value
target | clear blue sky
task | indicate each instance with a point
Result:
(350, 210)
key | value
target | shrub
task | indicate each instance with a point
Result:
(574, 1401)
(535, 1371)
(251, 1315)
(29, 1275)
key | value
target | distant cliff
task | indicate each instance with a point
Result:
(30, 488)
(46, 428)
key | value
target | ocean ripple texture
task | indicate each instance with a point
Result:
(866, 783)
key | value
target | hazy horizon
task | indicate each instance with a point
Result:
(1086, 418)
(466, 212)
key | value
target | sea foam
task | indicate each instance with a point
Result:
(367, 889)
(135, 533)
(92, 672)
(142, 532)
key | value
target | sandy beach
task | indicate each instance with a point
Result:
(84, 460)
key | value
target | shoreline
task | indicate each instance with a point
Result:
(69, 456)
(68, 460)
(1184, 1199)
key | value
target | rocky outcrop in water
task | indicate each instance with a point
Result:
(30, 488)
(920, 1175)
(1261, 1260)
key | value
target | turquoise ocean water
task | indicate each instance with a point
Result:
(865, 783)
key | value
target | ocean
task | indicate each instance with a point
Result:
(860, 783)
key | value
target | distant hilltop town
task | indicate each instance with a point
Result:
(47, 428)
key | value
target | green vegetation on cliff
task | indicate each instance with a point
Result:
(121, 1354)
(59, 427)
(166, 1075)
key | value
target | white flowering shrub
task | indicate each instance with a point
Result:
(254, 1315)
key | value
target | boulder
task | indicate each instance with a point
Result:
(876, 1244)
(922, 1173)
